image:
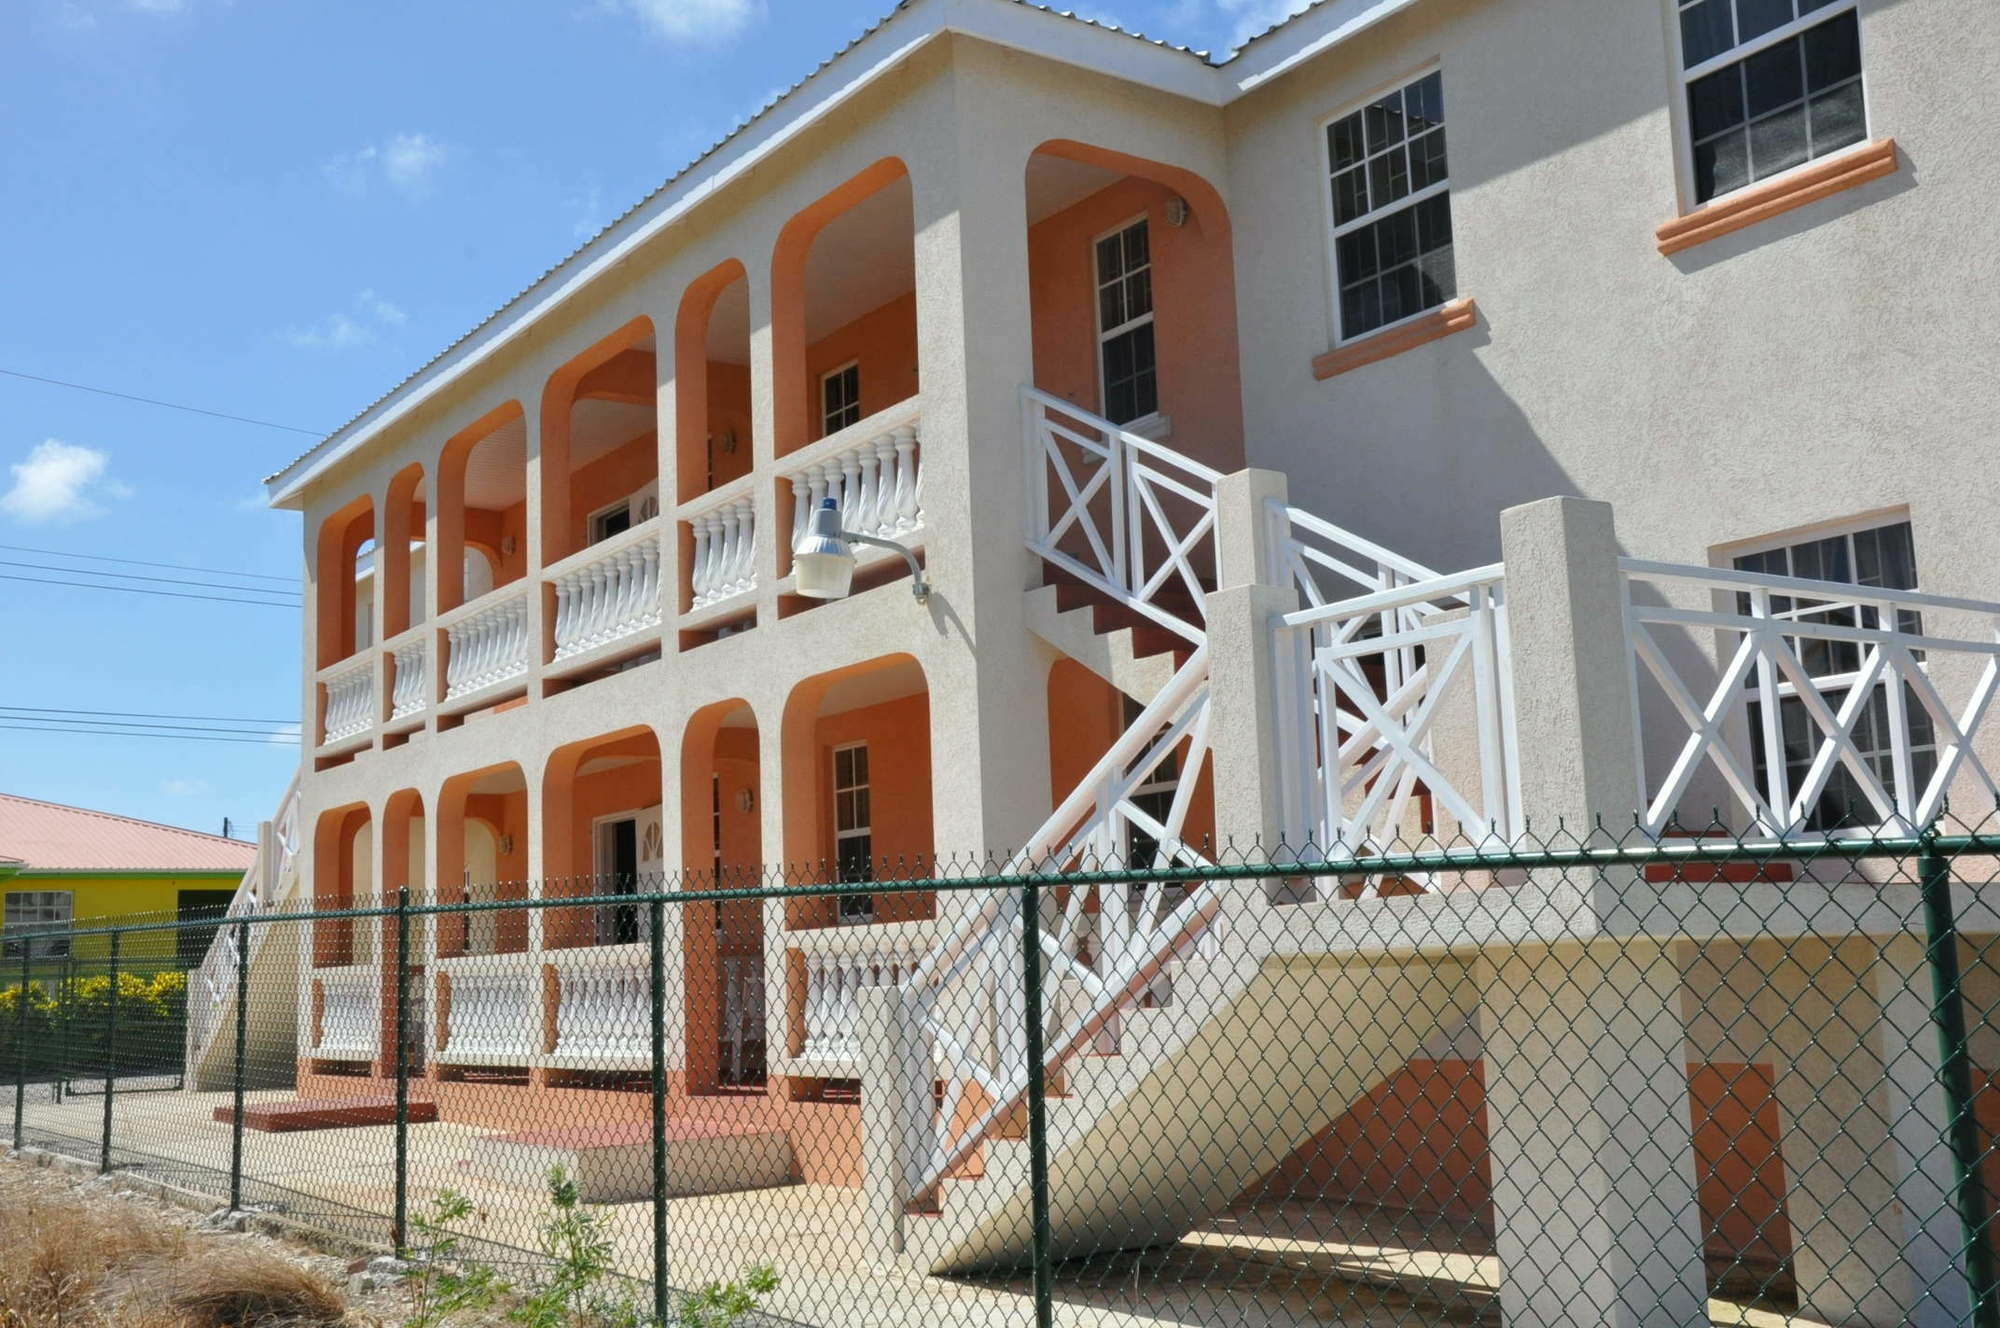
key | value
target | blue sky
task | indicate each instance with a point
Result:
(276, 210)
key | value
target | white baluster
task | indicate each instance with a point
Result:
(866, 491)
(909, 513)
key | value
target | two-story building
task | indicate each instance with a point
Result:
(1028, 296)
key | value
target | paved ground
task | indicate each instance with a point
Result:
(1271, 1267)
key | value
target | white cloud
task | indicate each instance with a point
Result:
(60, 482)
(358, 325)
(1254, 16)
(158, 6)
(404, 161)
(186, 788)
(703, 22)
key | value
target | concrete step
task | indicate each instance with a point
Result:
(613, 1163)
(1115, 655)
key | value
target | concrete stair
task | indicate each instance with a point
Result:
(1250, 1057)
(1125, 648)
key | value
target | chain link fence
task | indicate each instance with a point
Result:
(1626, 1079)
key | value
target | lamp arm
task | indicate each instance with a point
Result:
(918, 586)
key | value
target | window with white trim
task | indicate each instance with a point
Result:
(853, 828)
(1771, 84)
(1127, 370)
(840, 398)
(1392, 256)
(30, 911)
(1881, 556)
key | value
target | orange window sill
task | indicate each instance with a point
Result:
(1454, 316)
(1755, 203)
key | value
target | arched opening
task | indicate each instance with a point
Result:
(723, 940)
(602, 836)
(712, 381)
(404, 867)
(483, 507)
(600, 443)
(844, 307)
(402, 555)
(343, 582)
(342, 994)
(482, 858)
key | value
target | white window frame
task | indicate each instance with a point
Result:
(826, 427)
(1152, 424)
(856, 916)
(1684, 124)
(13, 934)
(594, 523)
(1338, 336)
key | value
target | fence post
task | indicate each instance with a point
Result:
(1038, 1125)
(242, 1049)
(1955, 1068)
(656, 1026)
(21, 1043)
(398, 1227)
(110, 1054)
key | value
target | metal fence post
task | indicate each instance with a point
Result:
(110, 1054)
(242, 1048)
(398, 1229)
(1955, 1068)
(657, 1025)
(1038, 1132)
(21, 1044)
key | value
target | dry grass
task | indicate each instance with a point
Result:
(67, 1264)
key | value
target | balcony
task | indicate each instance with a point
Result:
(348, 710)
(409, 678)
(837, 965)
(873, 470)
(348, 1006)
(492, 1010)
(487, 648)
(607, 597)
(721, 575)
(604, 1008)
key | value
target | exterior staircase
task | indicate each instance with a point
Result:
(1190, 1046)
(273, 965)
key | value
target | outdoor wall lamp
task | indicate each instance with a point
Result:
(823, 562)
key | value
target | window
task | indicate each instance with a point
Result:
(1882, 556)
(613, 520)
(1125, 363)
(29, 911)
(618, 874)
(853, 829)
(840, 398)
(1391, 196)
(1770, 84)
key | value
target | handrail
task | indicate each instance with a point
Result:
(1401, 597)
(1840, 593)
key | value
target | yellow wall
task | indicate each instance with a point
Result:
(98, 901)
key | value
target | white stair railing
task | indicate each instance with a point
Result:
(1820, 713)
(609, 592)
(1119, 512)
(966, 994)
(262, 888)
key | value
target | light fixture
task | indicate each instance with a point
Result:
(746, 800)
(823, 564)
(1177, 211)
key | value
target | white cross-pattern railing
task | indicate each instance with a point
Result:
(1119, 512)
(350, 702)
(604, 1005)
(350, 1012)
(1719, 712)
(260, 890)
(965, 996)
(609, 592)
(1374, 683)
(872, 469)
(1329, 564)
(410, 676)
(834, 983)
(487, 645)
(724, 561)
(495, 1014)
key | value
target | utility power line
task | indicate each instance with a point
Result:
(274, 741)
(141, 576)
(155, 401)
(142, 714)
(140, 562)
(148, 590)
(115, 725)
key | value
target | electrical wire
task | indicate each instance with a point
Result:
(274, 741)
(141, 562)
(141, 576)
(141, 714)
(148, 590)
(115, 724)
(154, 401)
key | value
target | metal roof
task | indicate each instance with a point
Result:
(48, 836)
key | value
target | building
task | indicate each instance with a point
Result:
(1184, 377)
(69, 866)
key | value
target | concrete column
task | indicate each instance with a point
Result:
(1588, 1125)
(895, 1114)
(1573, 722)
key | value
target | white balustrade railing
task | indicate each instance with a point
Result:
(350, 1012)
(609, 592)
(495, 1014)
(834, 983)
(487, 644)
(1397, 717)
(1120, 512)
(262, 888)
(1825, 708)
(871, 469)
(350, 702)
(604, 1005)
(410, 675)
(724, 562)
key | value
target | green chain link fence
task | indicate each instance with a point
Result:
(1598, 1079)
